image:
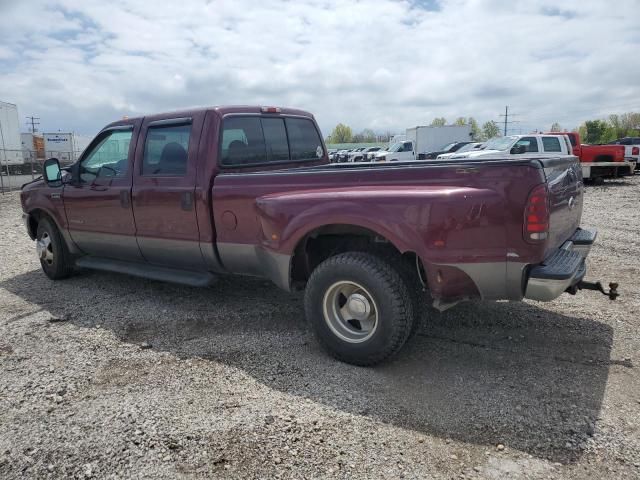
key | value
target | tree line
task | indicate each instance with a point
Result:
(343, 133)
(591, 131)
(610, 129)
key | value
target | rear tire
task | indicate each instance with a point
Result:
(360, 307)
(52, 251)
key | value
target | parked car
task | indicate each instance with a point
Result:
(600, 161)
(342, 155)
(369, 153)
(332, 154)
(631, 149)
(356, 154)
(469, 147)
(449, 148)
(189, 196)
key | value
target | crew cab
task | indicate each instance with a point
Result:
(513, 146)
(599, 161)
(192, 195)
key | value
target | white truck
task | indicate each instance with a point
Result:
(422, 140)
(631, 149)
(514, 145)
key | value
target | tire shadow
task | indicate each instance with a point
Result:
(510, 373)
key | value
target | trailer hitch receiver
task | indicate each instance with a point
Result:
(584, 285)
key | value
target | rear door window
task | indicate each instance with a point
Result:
(165, 150)
(551, 144)
(304, 141)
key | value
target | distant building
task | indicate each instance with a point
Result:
(10, 144)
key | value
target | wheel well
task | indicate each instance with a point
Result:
(330, 240)
(34, 220)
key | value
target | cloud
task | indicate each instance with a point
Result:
(382, 64)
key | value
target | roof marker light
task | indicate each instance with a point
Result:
(270, 109)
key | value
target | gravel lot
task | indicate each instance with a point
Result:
(107, 376)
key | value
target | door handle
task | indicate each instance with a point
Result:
(187, 201)
(125, 201)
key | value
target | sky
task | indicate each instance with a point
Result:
(380, 64)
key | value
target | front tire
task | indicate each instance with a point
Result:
(360, 308)
(52, 251)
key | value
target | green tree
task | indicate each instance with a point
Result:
(582, 131)
(556, 127)
(475, 129)
(490, 129)
(595, 130)
(341, 134)
(439, 122)
(460, 121)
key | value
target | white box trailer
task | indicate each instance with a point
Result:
(65, 146)
(430, 139)
(10, 143)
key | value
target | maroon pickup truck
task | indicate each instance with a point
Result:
(188, 196)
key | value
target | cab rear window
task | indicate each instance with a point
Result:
(248, 140)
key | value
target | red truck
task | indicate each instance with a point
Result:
(599, 161)
(189, 196)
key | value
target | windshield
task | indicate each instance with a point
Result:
(395, 147)
(468, 146)
(499, 143)
(448, 146)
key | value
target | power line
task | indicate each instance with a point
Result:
(506, 118)
(32, 121)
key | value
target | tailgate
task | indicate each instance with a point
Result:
(564, 181)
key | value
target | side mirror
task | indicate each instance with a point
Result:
(51, 171)
(518, 149)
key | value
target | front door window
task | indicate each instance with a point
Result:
(108, 157)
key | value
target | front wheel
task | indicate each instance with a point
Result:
(52, 251)
(360, 307)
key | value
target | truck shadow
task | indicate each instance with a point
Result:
(516, 374)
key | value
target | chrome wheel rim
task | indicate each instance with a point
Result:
(44, 247)
(350, 311)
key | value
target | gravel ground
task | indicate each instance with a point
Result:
(107, 376)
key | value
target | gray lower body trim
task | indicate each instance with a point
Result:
(169, 252)
(256, 261)
(100, 244)
(495, 280)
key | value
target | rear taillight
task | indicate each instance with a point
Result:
(536, 215)
(635, 151)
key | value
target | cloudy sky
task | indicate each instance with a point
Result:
(380, 64)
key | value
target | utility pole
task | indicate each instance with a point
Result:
(33, 122)
(506, 118)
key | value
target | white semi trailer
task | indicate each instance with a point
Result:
(10, 143)
(431, 139)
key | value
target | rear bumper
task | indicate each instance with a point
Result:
(562, 269)
(607, 169)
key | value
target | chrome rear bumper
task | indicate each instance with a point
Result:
(562, 269)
